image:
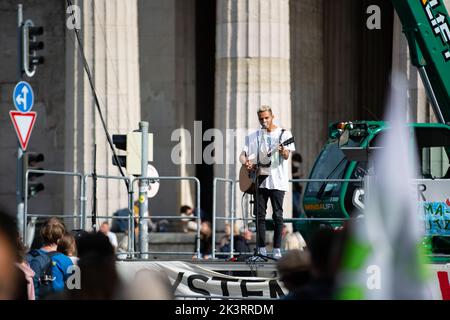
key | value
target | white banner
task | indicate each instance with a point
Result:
(190, 279)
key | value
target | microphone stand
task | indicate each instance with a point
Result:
(94, 191)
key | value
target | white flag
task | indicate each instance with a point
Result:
(383, 258)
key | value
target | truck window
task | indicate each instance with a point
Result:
(435, 163)
(330, 165)
(434, 152)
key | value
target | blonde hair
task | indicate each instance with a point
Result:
(264, 108)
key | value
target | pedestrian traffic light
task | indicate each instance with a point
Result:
(30, 45)
(132, 144)
(30, 161)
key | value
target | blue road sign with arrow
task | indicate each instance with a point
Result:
(23, 96)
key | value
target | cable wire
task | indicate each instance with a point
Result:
(97, 104)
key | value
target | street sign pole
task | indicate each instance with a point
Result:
(143, 189)
(20, 174)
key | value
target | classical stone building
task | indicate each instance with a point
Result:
(174, 62)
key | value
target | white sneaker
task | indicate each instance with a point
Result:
(254, 259)
(276, 253)
(262, 251)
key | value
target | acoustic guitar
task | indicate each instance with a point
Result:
(247, 178)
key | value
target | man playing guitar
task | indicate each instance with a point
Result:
(273, 183)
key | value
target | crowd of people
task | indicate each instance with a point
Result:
(45, 272)
(69, 265)
(311, 274)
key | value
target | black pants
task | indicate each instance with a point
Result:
(276, 198)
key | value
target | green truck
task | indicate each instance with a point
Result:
(426, 27)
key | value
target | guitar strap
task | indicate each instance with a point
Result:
(257, 147)
(279, 142)
(281, 134)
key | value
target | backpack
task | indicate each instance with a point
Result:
(42, 265)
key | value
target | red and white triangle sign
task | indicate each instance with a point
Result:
(23, 124)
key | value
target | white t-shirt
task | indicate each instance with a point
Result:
(74, 260)
(279, 170)
(112, 238)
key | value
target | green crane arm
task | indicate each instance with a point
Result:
(426, 26)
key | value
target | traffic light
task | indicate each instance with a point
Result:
(132, 144)
(30, 45)
(120, 141)
(30, 161)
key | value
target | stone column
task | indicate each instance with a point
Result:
(341, 49)
(252, 69)
(167, 64)
(307, 67)
(109, 34)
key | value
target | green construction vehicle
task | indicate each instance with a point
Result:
(426, 27)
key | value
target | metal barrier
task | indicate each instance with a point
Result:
(131, 219)
(130, 207)
(215, 218)
(233, 218)
(197, 208)
(82, 199)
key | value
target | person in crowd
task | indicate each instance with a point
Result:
(205, 240)
(52, 268)
(203, 214)
(104, 228)
(123, 244)
(326, 250)
(123, 227)
(99, 277)
(152, 226)
(163, 226)
(120, 221)
(77, 234)
(224, 242)
(294, 270)
(23, 265)
(120, 225)
(292, 240)
(15, 274)
(241, 240)
(241, 243)
(150, 285)
(188, 225)
(67, 245)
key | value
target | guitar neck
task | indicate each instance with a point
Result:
(284, 143)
